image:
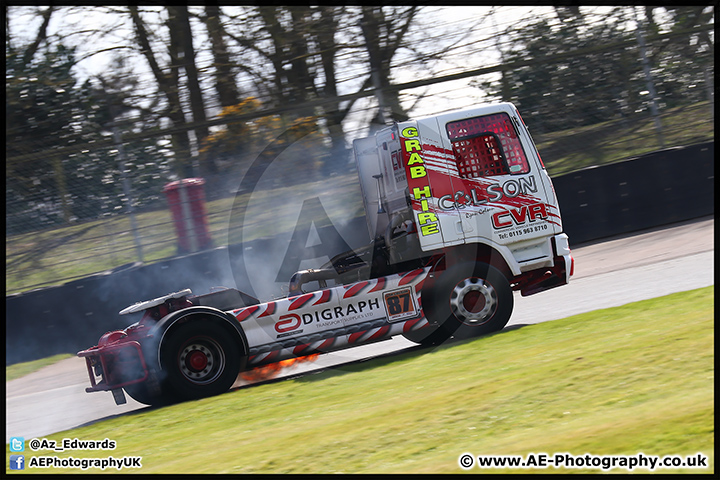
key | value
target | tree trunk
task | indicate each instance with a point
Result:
(334, 116)
(169, 86)
(382, 39)
(39, 38)
(179, 23)
(224, 78)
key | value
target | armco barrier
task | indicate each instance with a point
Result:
(71, 317)
(657, 189)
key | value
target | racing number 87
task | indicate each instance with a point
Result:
(400, 304)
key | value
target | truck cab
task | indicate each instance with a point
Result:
(469, 179)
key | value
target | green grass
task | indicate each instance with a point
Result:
(619, 381)
(21, 369)
(609, 142)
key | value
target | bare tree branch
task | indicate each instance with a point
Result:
(40, 37)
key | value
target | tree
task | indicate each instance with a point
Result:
(224, 74)
(287, 39)
(182, 55)
(49, 111)
(39, 90)
(326, 29)
(584, 87)
(169, 84)
(688, 62)
(384, 35)
(114, 107)
(573, 83)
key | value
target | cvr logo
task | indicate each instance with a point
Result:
(526, 213)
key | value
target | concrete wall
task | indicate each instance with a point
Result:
(656, 189)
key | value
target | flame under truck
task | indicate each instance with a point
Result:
(462, 213)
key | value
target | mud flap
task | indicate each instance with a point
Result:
(119, 396)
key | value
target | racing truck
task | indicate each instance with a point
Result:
(461, 213)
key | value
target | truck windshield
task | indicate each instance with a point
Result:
(487, 146)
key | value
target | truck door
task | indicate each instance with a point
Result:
(499, 188)
(393, 181)
(382, 178)
(428, 178)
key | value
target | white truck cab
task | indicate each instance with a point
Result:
(468, 177)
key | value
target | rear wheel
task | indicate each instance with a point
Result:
(467, 300)
(200, 359)
(153, 391)
(149, 392)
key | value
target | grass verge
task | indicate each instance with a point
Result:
(619, 381)
(618, 140)
(21, 369)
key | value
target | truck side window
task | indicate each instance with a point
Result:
(487, 146)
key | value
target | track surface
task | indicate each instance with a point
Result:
(610, 273)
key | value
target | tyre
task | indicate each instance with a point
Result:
(427, 336)
(467, 300)
(149, 393)
(199, 359)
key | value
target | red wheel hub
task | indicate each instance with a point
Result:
(473, 301)
(197, 360)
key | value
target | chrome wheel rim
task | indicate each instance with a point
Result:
(473, 301)
(201, 361)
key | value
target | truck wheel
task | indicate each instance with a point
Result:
(152, 391)
(200, 360)
(427, 336)
(467, 300)
(141, 392)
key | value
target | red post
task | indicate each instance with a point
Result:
(186, 199)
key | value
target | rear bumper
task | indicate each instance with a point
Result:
(114, 366)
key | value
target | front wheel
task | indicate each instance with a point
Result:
(200, 360)
(467, 300)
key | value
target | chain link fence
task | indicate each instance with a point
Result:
(74, 214)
